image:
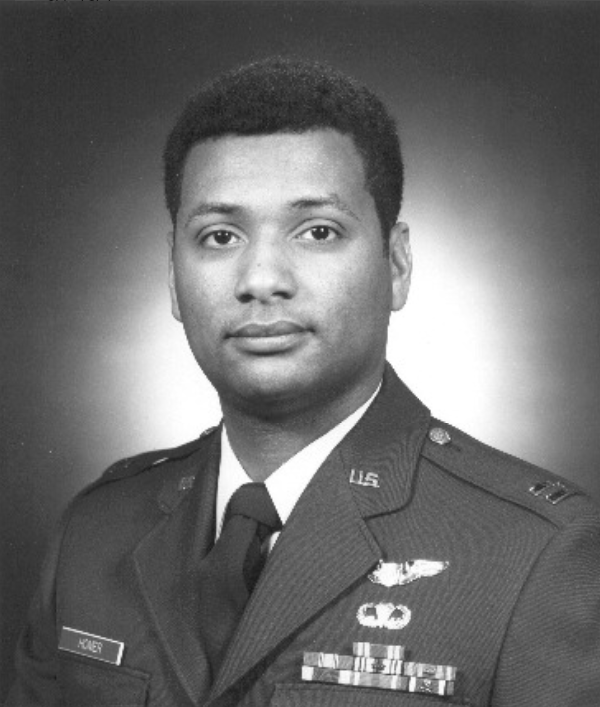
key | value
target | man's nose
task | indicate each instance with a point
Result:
(265, 272)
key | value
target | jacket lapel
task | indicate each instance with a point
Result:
(303, 573)
(326, 545)
(386, 443)
(166, 559)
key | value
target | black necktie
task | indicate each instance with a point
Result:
(229, 572)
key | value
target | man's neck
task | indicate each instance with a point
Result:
(263, 443)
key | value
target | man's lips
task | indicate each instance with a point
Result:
(268, 338)
(256, 330)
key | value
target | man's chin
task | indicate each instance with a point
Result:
(272, 390)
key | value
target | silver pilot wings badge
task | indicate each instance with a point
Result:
(397, 574)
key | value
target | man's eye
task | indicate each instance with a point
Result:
(220, 239)
(321, 234)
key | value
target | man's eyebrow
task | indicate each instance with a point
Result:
(206, 208)
(329, 200)
(211, 207)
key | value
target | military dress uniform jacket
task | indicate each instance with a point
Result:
(510, 593)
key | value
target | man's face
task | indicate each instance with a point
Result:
(279, 272)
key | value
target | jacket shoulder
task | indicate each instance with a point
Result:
(513, 480)
(132, 466)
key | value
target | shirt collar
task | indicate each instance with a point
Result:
(286, 484)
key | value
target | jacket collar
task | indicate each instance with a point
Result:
(386, 444)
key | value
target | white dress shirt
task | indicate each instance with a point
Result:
(286, 484)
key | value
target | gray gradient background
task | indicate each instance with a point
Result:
(499, 107)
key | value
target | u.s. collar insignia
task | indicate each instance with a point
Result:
(186, 483)
(361, 478)
(390, 616)
(396, 574)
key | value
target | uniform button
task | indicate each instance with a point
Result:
(439, 436)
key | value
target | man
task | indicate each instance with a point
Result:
(404, 562)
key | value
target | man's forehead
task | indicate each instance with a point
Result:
(301, 170)
(281, 144)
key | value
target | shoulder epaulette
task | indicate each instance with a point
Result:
(542, 492)
(131, 466)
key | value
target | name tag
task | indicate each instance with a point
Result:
(92, 646)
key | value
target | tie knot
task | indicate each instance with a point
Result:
(253, 501)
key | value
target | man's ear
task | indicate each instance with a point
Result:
(400, 258)
(172, 288)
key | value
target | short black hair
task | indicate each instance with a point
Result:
(282, 94)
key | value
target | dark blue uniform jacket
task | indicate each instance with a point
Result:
(516, 608)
